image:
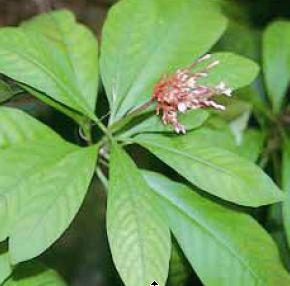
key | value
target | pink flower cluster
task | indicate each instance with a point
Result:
(181, 91)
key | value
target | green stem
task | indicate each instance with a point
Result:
(105, 163)
(87, 132)
(102, 178)
(282, 132)
(103, 127)
(141, 108)
(276, 168)
(264, 160)
(134, 113)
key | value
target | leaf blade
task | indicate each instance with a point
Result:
(139, 238)
(153, 124)
(219, 254)
(36, 187)
(5, 266)
(49, 64)
(276, 61)
(286, 189)
(34, 274)
(234, 70)
(214, 170)
(6, 91)
(132, 61)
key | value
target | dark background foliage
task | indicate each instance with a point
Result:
(82, 255)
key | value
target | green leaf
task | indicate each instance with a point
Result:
(276, 227)
(235, 118)
(235, 71)
(158, 37)
(286, 189)
(55, 55)
(5, 267)
(78, 118)
(43, 183)
(214, 170)
(256, 101)
(179, 268)
(138, 236)
(234, 108)
(191, 120)
(224, 247)
(33, 274)
(276, 61)
(6, 91)
(240, 37)
(239, 125)
(249, 147)
(252, 144)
